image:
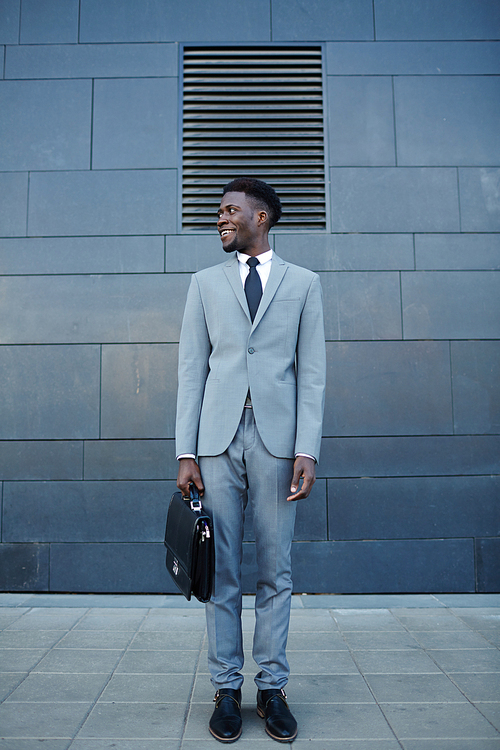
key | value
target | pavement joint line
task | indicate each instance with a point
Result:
(190, 701)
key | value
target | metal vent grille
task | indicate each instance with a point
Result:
(255, 112)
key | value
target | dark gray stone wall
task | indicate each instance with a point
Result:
(94, 271)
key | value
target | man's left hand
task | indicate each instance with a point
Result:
(304, 468)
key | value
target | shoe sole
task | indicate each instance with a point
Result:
(223, 739)
(262, 715)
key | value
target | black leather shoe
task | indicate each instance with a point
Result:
(225, 723)
(272, 706)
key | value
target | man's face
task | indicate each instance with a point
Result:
(237, 223)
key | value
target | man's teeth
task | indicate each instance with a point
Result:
(226, 231)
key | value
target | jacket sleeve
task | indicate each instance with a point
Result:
(194, 352)
(311, 373)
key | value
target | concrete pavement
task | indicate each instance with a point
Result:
(95, 672)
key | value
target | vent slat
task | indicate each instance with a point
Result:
(253, 111)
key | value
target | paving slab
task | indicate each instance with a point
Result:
(413, 688)
(121, 744)
(9, 681)
(140, 720)
(368, 601)
(373, 620)
(59, 688)
(149, 688)
(79, 660)
(437, 720)
(467, 660)
(167, 641)
(341, 721)
(97, 639)
(491, 711)
(441, 640)
(7, 618)
(13, 600)
(34, 744)
(159, 662)
(379, 640)
(442, 621)
(480, 619)
(162, 620)
(478, 687)
(470, 600)
(455, 744)
(300, 744)
(492, 636)
(404, 661)
(122, 621)
(30, 638)
(39, 720)
(31, 621)
(21, 659)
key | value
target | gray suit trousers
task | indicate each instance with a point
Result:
(247, 472)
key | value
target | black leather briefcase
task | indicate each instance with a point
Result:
(189, 540)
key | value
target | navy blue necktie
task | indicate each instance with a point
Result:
(253, 287)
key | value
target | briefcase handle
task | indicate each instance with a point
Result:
(194, 499)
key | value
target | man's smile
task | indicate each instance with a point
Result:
(225, 232)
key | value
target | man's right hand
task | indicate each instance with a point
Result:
(189, 472)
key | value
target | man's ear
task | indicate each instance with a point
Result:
(262, 217)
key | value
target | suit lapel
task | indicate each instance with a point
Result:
(232, 271)
(278, 270)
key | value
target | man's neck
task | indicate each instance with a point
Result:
(261, 247)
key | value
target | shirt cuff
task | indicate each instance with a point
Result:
(185, 455)
(306, 455)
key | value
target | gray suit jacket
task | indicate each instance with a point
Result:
(280, 358)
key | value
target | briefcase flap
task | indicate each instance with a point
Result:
(182, 537)
(181, 526)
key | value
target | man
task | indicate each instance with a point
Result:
(250, 406)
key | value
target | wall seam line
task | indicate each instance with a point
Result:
(20, 16)
(100, 390)
(460, 229)
(451, 390)
(28, 203)
(394, 123)
(401, 305)
(91, 123)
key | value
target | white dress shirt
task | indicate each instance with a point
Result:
(263, 269)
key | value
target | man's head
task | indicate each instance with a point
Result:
(248, 209)
(261, 194)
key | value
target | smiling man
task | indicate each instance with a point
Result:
(249, 418)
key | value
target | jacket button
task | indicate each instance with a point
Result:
(251, 350)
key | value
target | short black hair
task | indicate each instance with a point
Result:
(262, 193)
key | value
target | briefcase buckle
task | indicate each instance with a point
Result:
(196, 505)
(195, 502)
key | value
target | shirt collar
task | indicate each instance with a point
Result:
(263, 257)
